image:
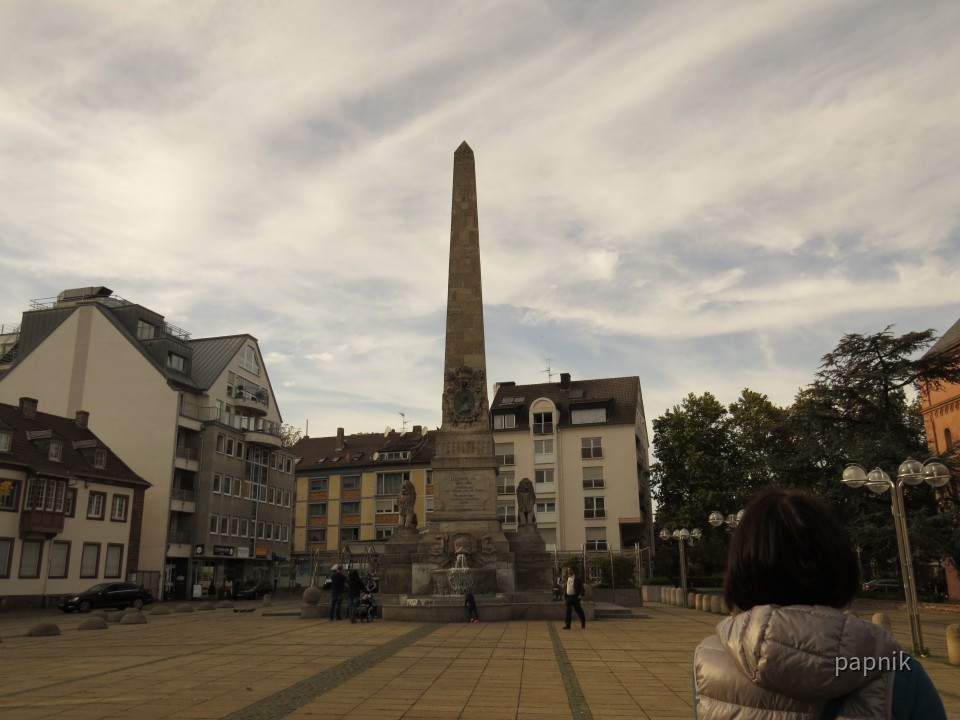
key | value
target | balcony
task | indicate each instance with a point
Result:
(44, 522)
(257, 402)
(267, 434)
(179, 543)
(187, 459)
(182, 500)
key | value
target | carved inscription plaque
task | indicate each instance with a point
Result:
(464, 490)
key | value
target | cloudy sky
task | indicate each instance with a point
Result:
(706, 195)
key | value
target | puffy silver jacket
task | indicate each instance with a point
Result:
(785, 663)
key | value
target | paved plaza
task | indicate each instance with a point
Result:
(260, 665)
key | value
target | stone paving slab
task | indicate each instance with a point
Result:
(199, 666)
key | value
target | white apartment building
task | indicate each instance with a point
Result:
(584, 445)
(196, 418)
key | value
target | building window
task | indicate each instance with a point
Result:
(349, 534)
(111, 567)
(45, 494)
(6, 440)
(382, 533)
(214, 523)
(504, 453)
(244, 525)
(6, 556)
(549, 506)
(596, 538)
(318, 484)
(89, 560)
(593, 507)
(350, 482)
(271, 495)
(286, 533)
(286, 498)
(504, 421)
(227, 486)
(317, 536)
(593, 478)
(239, 452)
(543, 477)
(261, 530)
(118, 510)
(238, 487)
(229, 449)
(235, 526)
(220, 441)
(217, 482)
(386, 506)
(507, 513)
(176, 362)
(269, 529)
(542, 451)
(231, 380)
(59, 559)
(585, 416)
(145, 330)
(349, 508)
(429, 478)
(11, 501)
(389, 483)
(248, 360)
(505, 484)
(70, 503)
(591, 448)
(596, 545)
(543, 423)
(428, 501)
(30, 552)
(95, 506)
(317, 509)
(55, 451)
(100, 458)
(224, 524)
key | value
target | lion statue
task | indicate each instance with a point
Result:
(406, 502)
(526, 502)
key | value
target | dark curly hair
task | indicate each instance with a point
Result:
(790, 549)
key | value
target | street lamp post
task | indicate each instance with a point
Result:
(910, 472)
(682, 536)
(717, 519)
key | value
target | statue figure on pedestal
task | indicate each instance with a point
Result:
(526, 503)
(406, 502)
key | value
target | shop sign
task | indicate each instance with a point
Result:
(227, 550)
(261, 552)
(243, 552)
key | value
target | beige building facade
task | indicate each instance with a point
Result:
(194, 417)
(583, 444)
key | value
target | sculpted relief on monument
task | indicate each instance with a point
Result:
(462, 396)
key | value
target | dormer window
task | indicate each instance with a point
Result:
(55, 451)
(100, 458)
(504, 421)
(176, 362)
(6, 440)
(145, 330)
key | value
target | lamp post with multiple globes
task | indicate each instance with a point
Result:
(910, 472)
(682, 536)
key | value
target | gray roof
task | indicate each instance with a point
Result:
(949, 341)
(619, 395)
(212, 355)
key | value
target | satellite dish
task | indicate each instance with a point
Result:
(387, 430)
(376, 456)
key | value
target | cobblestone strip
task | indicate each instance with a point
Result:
(578, 704)
(284, 702)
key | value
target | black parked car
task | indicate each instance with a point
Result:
(251, 589)
(110, 595)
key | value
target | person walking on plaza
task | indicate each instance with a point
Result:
(354, 590)
(573, 593)
(789, 650)
(558, 587)
(337, 585)
(470, 602)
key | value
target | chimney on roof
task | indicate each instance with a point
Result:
(564, 381)
(28, 407)
(339, 438)
(83, 418)
(418, 430)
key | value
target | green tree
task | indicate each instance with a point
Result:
(290, 435)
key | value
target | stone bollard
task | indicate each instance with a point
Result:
(267, 600)
(698, 601)
(715, 602)
(953, 644)
(883, 621)
(677, 592)
(691, 600)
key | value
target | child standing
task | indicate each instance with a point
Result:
(470, 602)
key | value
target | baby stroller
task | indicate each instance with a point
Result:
(366, 611)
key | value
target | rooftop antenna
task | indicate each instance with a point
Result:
(549, 372)
(403, 423)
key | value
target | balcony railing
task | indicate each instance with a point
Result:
(188, 453)
(48, 522)
(180, 537)
(183, 494)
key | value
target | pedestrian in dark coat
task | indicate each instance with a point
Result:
(471, 604)
(354, 589)
(338, 583)
(573, 592)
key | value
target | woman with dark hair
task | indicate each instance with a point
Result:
(789, 651)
